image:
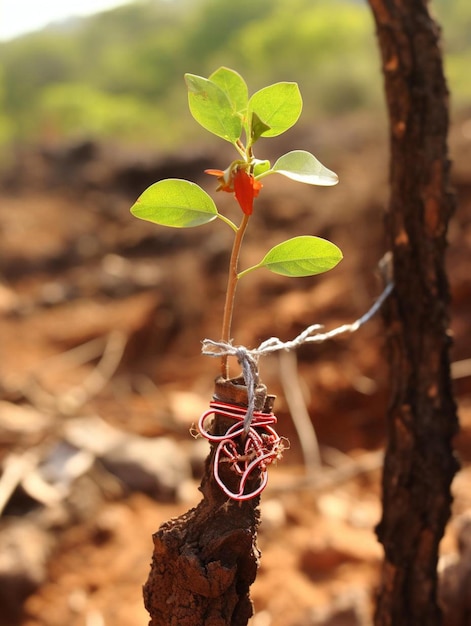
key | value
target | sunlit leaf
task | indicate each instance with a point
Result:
(304, 167)
(211, 107)
(277, 106)
(302, 256)
(177, 203)
(234, 86)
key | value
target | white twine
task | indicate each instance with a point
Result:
(248, 358)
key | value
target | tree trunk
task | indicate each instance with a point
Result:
(421, 421)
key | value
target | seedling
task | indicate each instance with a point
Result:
(221, 105)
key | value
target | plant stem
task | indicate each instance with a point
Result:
(230, 291)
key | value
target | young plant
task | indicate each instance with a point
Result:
(221, 105)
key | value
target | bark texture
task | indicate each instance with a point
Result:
(421, 421)
(205, 561)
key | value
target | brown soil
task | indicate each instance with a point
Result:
(75, 266)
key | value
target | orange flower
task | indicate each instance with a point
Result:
(246, 188)
(237, 180)
(224, 178)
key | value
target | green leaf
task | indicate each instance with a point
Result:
(234, 86)
(211, 107)
(302, 256)
(176, 203)
(257, 128)
(278, 106)
(260, 167)
(305, 168)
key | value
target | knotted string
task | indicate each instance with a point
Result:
(248, 358)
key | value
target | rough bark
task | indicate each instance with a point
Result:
(421, 420)
(205, 561)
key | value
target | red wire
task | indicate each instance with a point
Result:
(262, 446)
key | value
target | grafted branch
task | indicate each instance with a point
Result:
(205, 561)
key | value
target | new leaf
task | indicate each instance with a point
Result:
(277, 106)
(211, 107)
(234, 86)
(176, 203)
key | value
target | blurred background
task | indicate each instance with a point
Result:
(102, 315)
(118, 74)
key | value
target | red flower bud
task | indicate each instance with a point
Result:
(246, 188)
(237, 180)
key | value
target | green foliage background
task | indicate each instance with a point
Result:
(119, 74)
